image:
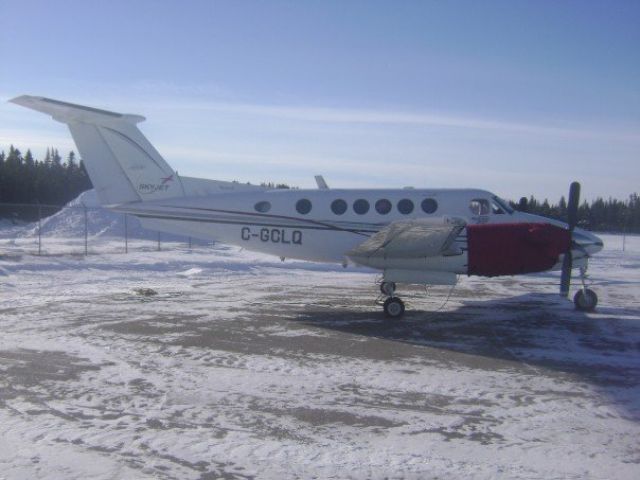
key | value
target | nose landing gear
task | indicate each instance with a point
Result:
(585, 299)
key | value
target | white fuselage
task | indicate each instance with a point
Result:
(276, 221)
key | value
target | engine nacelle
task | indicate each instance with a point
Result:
(515, 248)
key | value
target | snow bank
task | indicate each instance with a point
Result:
(70, 222)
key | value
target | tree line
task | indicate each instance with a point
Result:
(600, 215)
(54, 181)
(27, 180)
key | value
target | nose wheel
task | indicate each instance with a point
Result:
(585, 299)
(393, 307)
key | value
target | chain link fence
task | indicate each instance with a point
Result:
(44, 229)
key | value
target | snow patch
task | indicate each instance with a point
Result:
(189, 273)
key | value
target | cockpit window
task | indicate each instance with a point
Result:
(503, 205)
(496, 209)
(479, 206)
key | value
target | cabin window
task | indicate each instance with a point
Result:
(361, 206)
(429, 205)
(338, 206)
(479, 206)
(262, 207)
(383, 206)
(405, 206)
(303, 206)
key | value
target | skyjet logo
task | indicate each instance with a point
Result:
(149, 188)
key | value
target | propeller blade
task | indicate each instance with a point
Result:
(567, 262)
(572, 206)
(565, 278)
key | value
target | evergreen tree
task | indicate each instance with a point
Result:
(25, 180)
(55, 156)
(562, 208)
(523, 205)
(28, 159)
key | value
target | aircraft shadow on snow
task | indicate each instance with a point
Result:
(533, 330)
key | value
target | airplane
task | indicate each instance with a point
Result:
(413, 236)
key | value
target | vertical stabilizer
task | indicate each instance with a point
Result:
(122, 164)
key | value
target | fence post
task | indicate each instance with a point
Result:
(189, 243)
(39, 229)
(86, 231)
(158, 241)
(126, 235)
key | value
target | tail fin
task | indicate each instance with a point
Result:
(122, 164)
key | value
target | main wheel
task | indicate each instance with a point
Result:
(393, 307)
(585, 300)
(388, 288)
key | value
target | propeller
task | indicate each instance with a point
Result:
(567, 262)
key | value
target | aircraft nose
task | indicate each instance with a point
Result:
(587, 241)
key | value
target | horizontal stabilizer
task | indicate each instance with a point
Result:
(66, 112)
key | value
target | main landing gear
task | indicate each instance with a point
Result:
(393, 306)
(585, 299)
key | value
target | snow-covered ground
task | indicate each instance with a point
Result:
(245, 367)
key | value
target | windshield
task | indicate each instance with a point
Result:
(504, 205)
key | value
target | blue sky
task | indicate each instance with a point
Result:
(516, 97)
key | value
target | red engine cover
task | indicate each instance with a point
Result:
(513, 248)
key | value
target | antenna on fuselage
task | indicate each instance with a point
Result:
(322, 185)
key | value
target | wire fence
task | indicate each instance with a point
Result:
(78, 229)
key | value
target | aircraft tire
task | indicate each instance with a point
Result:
(585, 300)
(387, 288)
(393, 308)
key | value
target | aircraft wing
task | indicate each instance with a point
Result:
(417, 238)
